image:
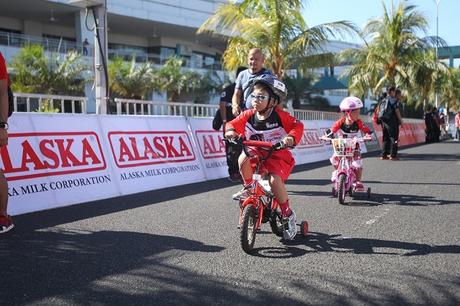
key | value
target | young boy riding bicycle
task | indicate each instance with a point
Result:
(266, 122)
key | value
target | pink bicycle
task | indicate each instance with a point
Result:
(344, 177)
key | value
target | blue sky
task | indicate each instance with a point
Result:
(360, 11)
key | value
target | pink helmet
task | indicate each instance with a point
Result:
(350, 103)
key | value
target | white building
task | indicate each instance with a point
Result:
(148, 29)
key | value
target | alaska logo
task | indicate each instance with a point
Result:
(310, 138)
(142, 148)
(30, 155)
(211, 144)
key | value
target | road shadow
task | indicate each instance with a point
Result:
(427, 157)
(62, 215)
(403, 200)
(321, 242)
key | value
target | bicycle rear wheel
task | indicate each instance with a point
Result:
(248, 229)
(276, 225)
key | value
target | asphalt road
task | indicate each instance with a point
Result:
(180, 246)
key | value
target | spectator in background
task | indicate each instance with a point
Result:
(442, 122)
(6, 223)
(85, 46)
(390, 128)
(256, 67)
(457, 126)
(436, 125)
(232, 151)
(429, 124)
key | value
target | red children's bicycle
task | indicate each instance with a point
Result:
(259, 204)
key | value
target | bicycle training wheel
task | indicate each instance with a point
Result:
(304, 228)
(248, 228)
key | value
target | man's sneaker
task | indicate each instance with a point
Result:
(290, 229)
(358, 186)
(243, 193)
(234, 178)
(6, 224)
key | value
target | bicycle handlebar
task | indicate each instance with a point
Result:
(357, 139)
(257, 143)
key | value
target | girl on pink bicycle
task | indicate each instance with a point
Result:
(266, 122)
(348, 127)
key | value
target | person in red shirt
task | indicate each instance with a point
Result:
(6, 222)
(348, 127)
(266, 122)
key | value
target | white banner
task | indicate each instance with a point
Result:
(311, 148)
(55, 160)
(211, 148)
(151, 152)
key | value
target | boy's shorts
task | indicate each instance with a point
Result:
(280, 163)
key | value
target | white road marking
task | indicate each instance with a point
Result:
(379, 216)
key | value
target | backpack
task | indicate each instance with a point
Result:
(385, 111)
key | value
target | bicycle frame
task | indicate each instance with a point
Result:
(257, 191)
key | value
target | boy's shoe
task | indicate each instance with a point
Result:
(243, 193)
(290, 229)
(358, 186)
(6, 224)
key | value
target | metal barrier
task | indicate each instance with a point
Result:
(315, 115)
(27, 102)
(142, 107)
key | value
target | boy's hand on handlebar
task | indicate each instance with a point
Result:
(288, 141)
(231, 135)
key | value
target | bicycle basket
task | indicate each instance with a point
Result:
(343, 147)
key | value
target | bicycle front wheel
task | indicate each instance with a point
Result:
(248, 228)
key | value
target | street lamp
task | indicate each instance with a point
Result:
(437, 37)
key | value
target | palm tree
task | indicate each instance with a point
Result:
(173, 80)
(276, 27)
(131, 80)
(392, 51)
(34, 72)
(296, 88)
(423, 77)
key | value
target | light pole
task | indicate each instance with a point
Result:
(437, 37)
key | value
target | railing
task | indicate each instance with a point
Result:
(27, 102)
(315, 115)
(142, 107)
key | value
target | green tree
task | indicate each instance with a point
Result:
(393, 51)
(35, 72)
(203, 86)
(276, 27)
(131, 80)
(172, 79)
(297, 87)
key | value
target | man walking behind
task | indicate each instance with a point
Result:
(390, 125)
